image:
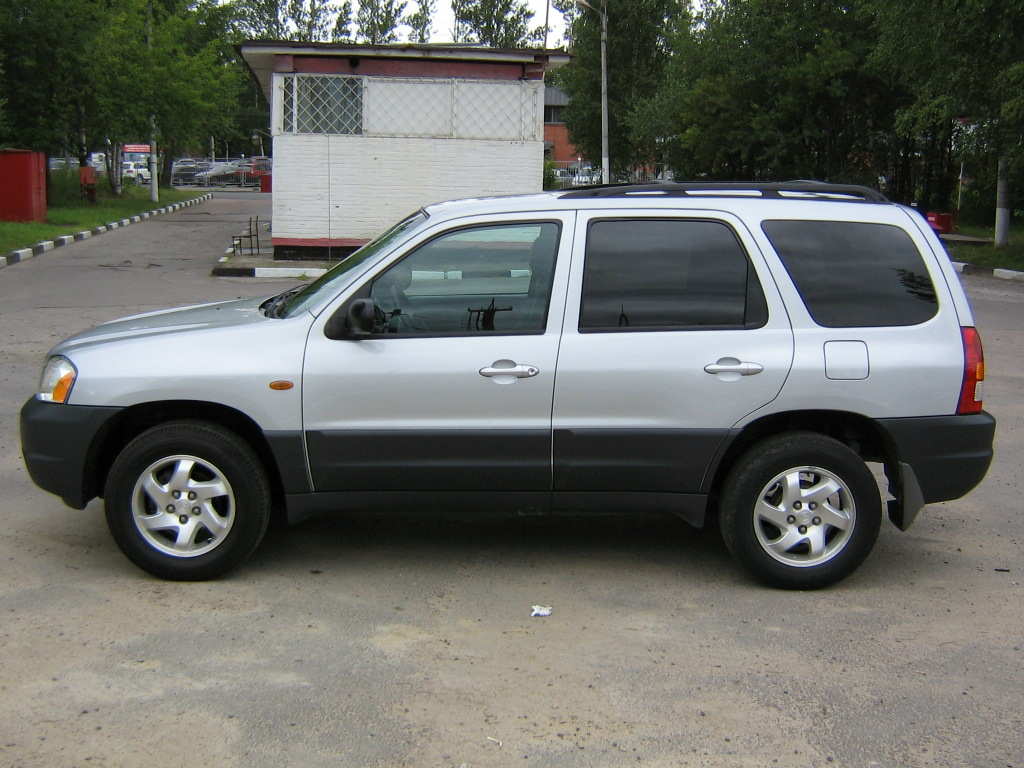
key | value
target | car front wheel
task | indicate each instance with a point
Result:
(800, 510)
(187, 500)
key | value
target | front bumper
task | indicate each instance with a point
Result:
(945, 456)
(58, 443)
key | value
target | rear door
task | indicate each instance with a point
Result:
(674, 331)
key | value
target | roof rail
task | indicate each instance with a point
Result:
(818, 190)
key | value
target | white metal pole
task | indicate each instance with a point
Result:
(960, 190)
(154, 190)
(547, 16)
(605, 164)
(1002, 205)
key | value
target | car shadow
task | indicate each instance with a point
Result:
(334, 540)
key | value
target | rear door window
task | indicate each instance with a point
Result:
(667, 275)
(854, 274)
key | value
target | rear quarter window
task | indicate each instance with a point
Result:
(855, 274)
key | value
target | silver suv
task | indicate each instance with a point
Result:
(716, 351)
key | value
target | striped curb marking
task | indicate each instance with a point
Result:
(21, 254)
(221, 271)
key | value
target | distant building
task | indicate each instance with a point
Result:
(366, 134)
(557, 146)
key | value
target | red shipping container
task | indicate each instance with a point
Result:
(22, 185)
(941, 222)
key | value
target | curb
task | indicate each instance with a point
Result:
(222, 271)
(37, 249)
(1003, 274)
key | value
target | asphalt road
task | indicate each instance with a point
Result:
(396, 642)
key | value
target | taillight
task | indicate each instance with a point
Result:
(974, 372)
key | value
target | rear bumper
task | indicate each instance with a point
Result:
(949, 455)
(56, 441)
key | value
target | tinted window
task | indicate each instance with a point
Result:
(489, 279)
(667, 274)
(852, 274)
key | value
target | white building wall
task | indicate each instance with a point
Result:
(423, 140)
(341, 187)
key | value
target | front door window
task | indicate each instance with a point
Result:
(479, 280)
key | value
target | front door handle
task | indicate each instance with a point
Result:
(509, 368)
(732, 365)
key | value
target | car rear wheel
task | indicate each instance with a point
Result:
(800, 511)
(187, 500)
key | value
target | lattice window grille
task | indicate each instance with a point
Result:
(322, 104)
(490, 110)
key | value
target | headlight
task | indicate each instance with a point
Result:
(57, 380)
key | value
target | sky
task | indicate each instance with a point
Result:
(443, 21)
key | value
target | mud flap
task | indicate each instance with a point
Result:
(908, 499)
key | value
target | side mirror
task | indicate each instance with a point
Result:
(357, 322)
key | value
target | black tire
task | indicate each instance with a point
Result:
(223, 461)
(820, 462)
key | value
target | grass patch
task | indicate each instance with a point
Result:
(1008, 257)
(68, 214)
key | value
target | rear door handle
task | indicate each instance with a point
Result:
(509, 368)
(732, 365)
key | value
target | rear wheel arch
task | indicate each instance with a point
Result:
(858, 432)
(136, 419)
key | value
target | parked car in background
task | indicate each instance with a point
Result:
(136, 171)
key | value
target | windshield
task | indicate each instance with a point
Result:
(329, 283)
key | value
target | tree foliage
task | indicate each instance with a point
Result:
(311, 19)
(342, 31)
(121, 62)
(638, 50)
(868, 91)
(421, 20)
(377, 20)
(496, 23)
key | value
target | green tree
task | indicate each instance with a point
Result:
(140, 69)
(460, 29)
(378, 20)
(569, 10)
(497, 23)
(342, 31)
(420, 20)
(770, 89)
(310, 20)
(638, 49)
(49, 98)
(3, 119)
(265, 19)
(963, 65)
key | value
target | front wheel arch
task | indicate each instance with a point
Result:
(136, 419)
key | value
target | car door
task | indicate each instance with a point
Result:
(453, 390)
(673, 332)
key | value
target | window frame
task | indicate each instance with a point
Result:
(752, 275)
(363, 291)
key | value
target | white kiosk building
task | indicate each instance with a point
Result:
(364, 135)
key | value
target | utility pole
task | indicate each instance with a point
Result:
(154, 188)
(1002, 204)
(547, 16)
(605, 162)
